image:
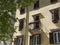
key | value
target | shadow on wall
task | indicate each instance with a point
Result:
(58, 24)
(44, 38)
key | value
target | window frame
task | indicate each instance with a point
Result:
(35, 23)
(35, 39)
(16, 40)
(55, 12)
(56, 37)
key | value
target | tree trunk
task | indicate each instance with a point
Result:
(26, 26)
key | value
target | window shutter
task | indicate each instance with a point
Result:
(59, 36)
(40, 39)
(22, 40)
(31, 40)
(51, 38)
(15, 41)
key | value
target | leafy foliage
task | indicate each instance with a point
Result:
(7, 8)
(25, 3)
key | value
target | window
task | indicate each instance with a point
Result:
(53, 1)
(18, 40)
(36, 23)
(21, 24)
(55, 37)
(55, 15)
(22, 10)
(36, 20)
(35, 39)
(36, 5)
(36, 17)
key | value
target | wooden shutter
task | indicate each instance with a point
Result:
(22, 40)
(51, 38)
(15, 41)
(31, 40)
(39, 39)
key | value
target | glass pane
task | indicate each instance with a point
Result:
(32, 26)
(38, 40)
(34, 40)
(36, 25)
(55, 38)
(20, 41)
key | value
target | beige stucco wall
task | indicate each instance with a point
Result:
(44, 3)
(44, 38)
(46, 22)
(58, 0)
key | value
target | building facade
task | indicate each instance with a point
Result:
(44, 23)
